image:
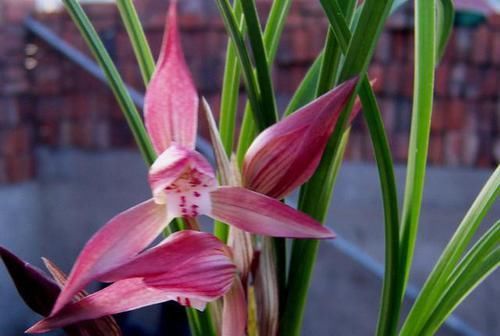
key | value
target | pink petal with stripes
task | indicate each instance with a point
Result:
(171, 101)
(286, 154)
(199, 272)
(116, 243)
(260, 214)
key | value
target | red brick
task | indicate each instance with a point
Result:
(393, 79)
(490, 83)
(48, 133)
(19, 168)
(388, 110)
(453, 143)
(457, 79)
(9, 111)
(494, 21)
(485, 114)
(442, 79)
(436, 149)
(481, 45)
(354, 150)
(383, 50)
(438, 115)
(470, 148)
(407, 80)
(399, 46)
(463, 44)
(16, 11)
(399, 144)
(473, 82)
(455, 114)
(495, 49)
(486, 155)
(15, 141)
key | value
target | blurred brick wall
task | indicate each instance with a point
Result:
(16, 109)
(47, 100)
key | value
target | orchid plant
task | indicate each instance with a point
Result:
(240, 275)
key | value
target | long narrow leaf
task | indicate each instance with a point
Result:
(261, 60)
(435, 285)
(463, 286)
(115, 81)
(423, 92)
(272, 33)
(254, 96)
(315, 195)
(136, 34)
(486, 244)
(229, 105)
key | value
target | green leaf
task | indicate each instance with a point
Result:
(272, 33)
(229, 105)
(423, 93)
(315, 195)
(115, 81)
(435, 285)
(444, 23)
(261, 60)
(472, 276)
(254, 95)
(306, 92)
(136, 34)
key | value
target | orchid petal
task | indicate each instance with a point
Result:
(171, 255)
(285, 155)
(171, 164)
(190, 277)
(260, 214)
(234, 313)
(113, 245)
(171, 101)
(224, 169)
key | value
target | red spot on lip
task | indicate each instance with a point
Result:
(194, 206)
(196, 194)
(188, 302)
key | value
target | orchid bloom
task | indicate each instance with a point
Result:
(193, 267)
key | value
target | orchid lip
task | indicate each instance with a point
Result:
(182, 179)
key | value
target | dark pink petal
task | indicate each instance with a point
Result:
(260, 214)
(234, 313)
(38, 291)
(115, 244)
(171, 102)
(163, 274)
(172, 163)
(286, 154)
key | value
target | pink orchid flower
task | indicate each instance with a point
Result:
(193, 267)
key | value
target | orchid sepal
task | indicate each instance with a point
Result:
(171, 101)
(285, 155)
